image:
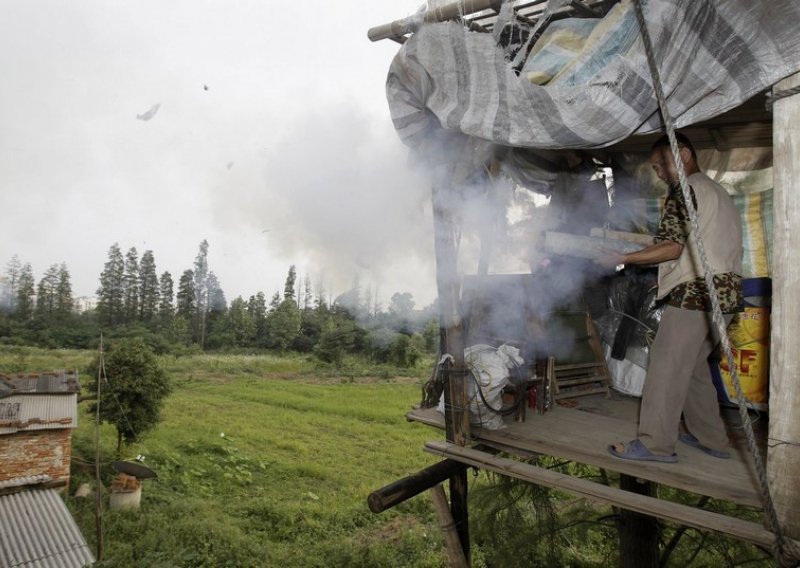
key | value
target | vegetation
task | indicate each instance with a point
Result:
(131, 386)
(266, 460)
(133, 302)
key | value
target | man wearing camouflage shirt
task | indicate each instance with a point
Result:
(678, 378)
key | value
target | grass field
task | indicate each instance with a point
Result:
(262, 461)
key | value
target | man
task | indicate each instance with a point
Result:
(678, 378)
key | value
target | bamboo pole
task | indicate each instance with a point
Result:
(455, 392)
(407, 487)
(783, 457)
(455, 554)
(441, 14)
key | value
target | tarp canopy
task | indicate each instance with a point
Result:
(587, 84)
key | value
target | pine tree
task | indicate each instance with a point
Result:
(64, 303)
(130, 286)
(166, 299)
(185, 297)
(148, 288)
(308, 297)
(288, 287)
(200, 293)
(25, 294)
(13, 269)
(110, 299)
(239, 323)
(46, 294)
(257, 309)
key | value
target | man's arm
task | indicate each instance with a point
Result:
(654, 254)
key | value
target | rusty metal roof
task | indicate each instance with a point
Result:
(52, 382)
(37, 531)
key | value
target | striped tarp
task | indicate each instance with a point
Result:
(713, 55)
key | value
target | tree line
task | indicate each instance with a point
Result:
(134, 300)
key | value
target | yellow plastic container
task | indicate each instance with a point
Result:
(749, 335)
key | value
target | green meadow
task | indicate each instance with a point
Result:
(261, 461)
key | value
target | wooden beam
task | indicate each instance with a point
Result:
(683, 514)
(403, 489)
(441, 14)
(454, 551)
(456, 400)
(583, 9)
(783, 457)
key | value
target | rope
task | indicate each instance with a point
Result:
(783, 549)
(774, 96)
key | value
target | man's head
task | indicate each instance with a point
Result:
(663, 162)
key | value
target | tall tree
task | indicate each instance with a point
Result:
(64, 303)
(288, 287)
(13, 269)
(185, 297)
(25, 295)
(239, 323)
(200, 293)
(110, 298)
(257, 309)
(308, 295)
(148, 288)
(166, 298)
(283, 325)
(46, 293)
(130, 285)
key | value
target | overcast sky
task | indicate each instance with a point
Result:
(272, 141)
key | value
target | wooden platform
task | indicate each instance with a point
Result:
(582, 434)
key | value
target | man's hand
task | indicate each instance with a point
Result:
(610, 258)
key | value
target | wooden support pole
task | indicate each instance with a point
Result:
(783, 458)
(454, 552)
(406, 488)
(441, 14)
(449, 288)
(455, 392)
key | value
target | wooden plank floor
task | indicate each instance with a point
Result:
(583, 433)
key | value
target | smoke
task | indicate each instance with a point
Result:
(339, 200)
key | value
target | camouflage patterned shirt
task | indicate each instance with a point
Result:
(693, 295)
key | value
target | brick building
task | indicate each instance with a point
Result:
(37, 415)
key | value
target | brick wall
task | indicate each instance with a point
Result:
(36, 452)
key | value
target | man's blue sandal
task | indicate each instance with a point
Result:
(635, 450)
(690, 440)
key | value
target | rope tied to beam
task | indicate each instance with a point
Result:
(783, 549)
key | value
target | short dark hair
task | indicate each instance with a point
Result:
(682, 141)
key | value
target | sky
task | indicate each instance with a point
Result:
(271, 140)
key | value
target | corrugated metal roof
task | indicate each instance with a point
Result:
(23, 481)
(36, 412)
(37, 531)
(51, 382)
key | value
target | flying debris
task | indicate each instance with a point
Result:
(205, 87)
(150, 113)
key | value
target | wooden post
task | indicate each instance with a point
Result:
(403, 489)
(454, 552)
(783, 458)
(638, 533)
(455, 392)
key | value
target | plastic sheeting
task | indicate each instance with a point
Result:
(447, 82)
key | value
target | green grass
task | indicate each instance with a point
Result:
(261, 461)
